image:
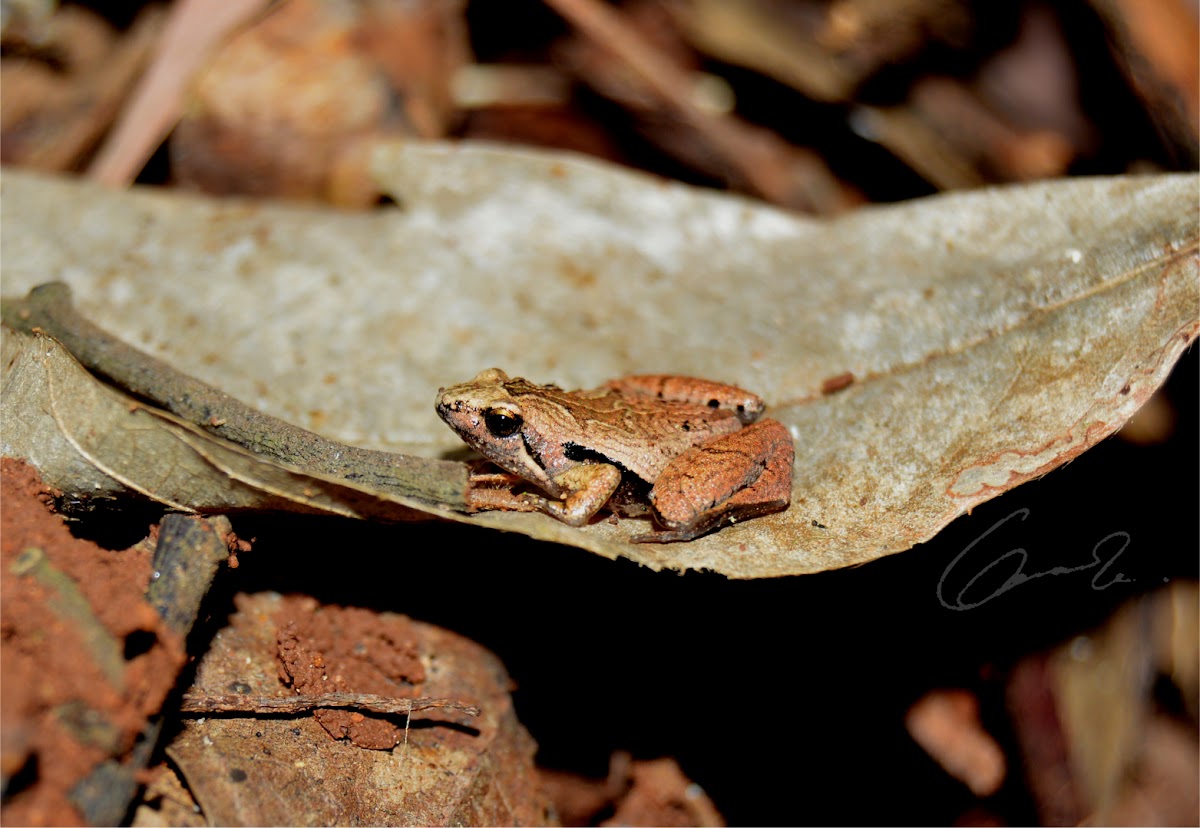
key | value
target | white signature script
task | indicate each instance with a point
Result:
(1020, 576)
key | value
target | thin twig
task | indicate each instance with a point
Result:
(205, 704)
(195, 28)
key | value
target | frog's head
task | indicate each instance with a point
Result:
(487, 416)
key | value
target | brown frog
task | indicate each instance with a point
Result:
(690, 451)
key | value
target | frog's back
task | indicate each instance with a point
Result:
(642, 436)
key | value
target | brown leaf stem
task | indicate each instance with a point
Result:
(49, 308)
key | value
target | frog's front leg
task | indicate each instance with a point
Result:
(674, 388)
(493, 491)
(737, 476)
(586, 488)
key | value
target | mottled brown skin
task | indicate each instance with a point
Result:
(692, 446)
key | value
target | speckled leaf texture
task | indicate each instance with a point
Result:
(926, 356)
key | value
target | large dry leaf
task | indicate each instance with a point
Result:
(986, 337)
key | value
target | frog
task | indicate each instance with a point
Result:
(693, 454)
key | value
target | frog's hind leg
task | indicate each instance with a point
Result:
(741, 475)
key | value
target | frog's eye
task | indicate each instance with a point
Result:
(502, 423)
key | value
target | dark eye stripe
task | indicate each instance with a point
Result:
(533, 455)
